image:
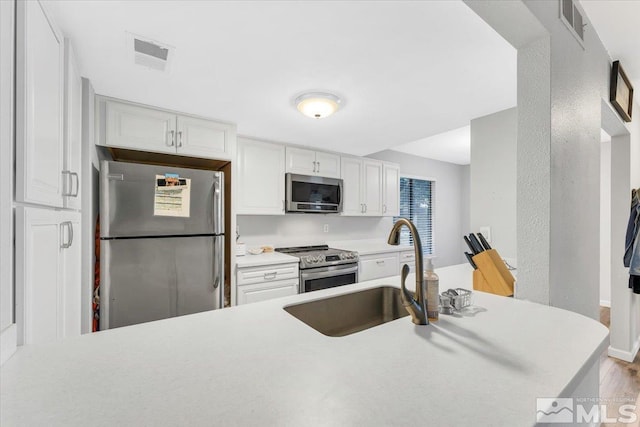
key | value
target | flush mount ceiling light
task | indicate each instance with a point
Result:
(317, 105)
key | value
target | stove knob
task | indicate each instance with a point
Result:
(320, 258)
(308, 259)
(343, 255)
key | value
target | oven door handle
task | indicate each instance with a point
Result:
(330, 273)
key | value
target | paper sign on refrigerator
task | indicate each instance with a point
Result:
(172, 196)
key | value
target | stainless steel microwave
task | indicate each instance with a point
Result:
(313, 194)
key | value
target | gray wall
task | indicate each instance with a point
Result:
(451, 201)
(493, 178)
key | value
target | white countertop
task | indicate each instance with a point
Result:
(257, 365)
(270, 258)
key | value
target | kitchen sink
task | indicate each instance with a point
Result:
(350, 313)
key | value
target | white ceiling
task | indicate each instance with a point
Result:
(453, 146)
(618, 25)
(406, 70)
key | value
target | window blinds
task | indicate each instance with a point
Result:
(416, 204)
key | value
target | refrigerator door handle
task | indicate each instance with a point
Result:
(218, 270)
(218, 200)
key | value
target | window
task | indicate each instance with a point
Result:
(416, 204)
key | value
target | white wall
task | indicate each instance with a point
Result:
(493, 178)
(7, 326)
(307, 229)
(451, 201)
(605, 221)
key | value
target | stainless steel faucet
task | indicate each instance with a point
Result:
(416, 304)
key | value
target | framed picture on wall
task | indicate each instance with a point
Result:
(621, 92)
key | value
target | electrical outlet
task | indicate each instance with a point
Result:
(486, 232)
(325, 228)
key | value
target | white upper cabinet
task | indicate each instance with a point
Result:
(308, 162)
(203, 138)
(327, 164)
(352, 186)
(372, 187)
(72, 130)
(362, 186)
(391, 190)
(39, 107)
(260, 178)
(138, 128)
(122, 124)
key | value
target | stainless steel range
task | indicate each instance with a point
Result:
(322, 267)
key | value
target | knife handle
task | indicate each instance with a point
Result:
(468, 242)
(476, 244)
(484, 241)
(469, 257)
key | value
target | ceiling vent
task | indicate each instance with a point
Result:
(573, 18)
(149, 53)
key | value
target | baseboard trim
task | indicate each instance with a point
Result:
(627, 356)
(8, 342)
(604, 303)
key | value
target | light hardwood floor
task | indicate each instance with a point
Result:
(619, 381)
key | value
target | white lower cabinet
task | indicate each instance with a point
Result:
(265, 282)
(267, 290)
(48, 274)
(376, 266)
(409, 258)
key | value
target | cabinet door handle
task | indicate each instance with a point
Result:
(365, 208)
(314, 167)
(318, 167)
(408, 255)
(384, 208)
(172, 141)
(361, 207)
(69, 226)
(270, 276)
(66, 184)
(179, 138)
(75, 193)
(380, 262)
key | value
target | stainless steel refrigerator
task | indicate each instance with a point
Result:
(161, 242)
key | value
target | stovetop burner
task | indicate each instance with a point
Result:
(320, 256)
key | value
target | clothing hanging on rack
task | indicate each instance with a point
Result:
(632, 243)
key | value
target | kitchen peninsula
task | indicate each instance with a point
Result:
(258, 365)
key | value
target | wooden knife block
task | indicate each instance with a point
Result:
(492, 275)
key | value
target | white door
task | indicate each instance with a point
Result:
(327, 164)
(352, 187)
(70, 273)
(301, 161)
(391, 190)
(72, 130)
(203, 138)
(139, 128)
(38, 300)
(39, 102)
(372, 190)
(260, 188)
(264, 291)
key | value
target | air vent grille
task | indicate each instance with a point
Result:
(573, 19)
(149, 53)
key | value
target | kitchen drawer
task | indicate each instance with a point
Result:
(267, 273)
(265, 291)
(409, 258)
(375, 266)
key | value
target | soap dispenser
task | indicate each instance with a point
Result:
(433, 290)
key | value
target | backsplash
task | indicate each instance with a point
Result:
(308, 229)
